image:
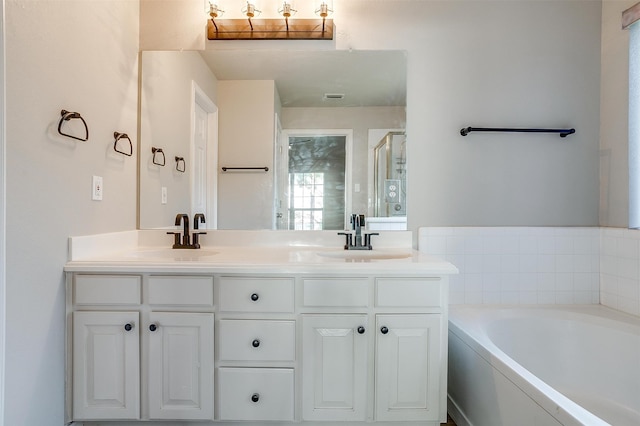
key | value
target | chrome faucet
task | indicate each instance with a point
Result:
(185, 242)
(357, 222)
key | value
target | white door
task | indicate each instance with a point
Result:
(334, 367)
(199, 176)
(407, 374)
(180, 366)
(106, 365)
(281, 175)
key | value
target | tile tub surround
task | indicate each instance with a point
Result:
(620, 269)
(519, 265)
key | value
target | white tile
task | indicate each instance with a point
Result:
(491, 263)
(456, 283)
(627, 268)
(528, 297)
(472, 263)
(474, 245)
(609, 246)
(528, 244)
(528, 281)
(546, 282)
(629, 289)
(529, 263)
(583, 245)
(608, 299)
(510, 244)
(564, 263)
(436, 245)
(608, 283)
(473, 297)
(629, 306)
(510, 263)
(564, 297)
(563, 245)
(510, 297)
(455, 244)
(491, 282)
(582, 282)
(564, 282)
(473, 283)
(510, 282)
(456, 298)
(582, 297)
(582, 263)
(547, 245)
(628, 247)
(493, 245)
(546, 297)
(491, 297)
(546, 263)
(457, 260)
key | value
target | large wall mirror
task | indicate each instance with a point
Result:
(273, 139)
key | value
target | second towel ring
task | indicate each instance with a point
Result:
(155, 151)
(184, 164)
(119, 136)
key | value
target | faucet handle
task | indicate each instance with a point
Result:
(176, 238)
(367, 239)
(196, 238)
(348, 238)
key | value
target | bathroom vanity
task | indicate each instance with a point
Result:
(269, 332)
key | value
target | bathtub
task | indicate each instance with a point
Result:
(521, 366)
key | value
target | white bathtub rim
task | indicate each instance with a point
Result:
(556, 404)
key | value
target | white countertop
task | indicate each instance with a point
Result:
(259, 251)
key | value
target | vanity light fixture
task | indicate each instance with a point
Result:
(250, 28)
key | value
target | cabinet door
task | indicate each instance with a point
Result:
(407, 367)
(106, 365)
(334, 367)
(180, 366)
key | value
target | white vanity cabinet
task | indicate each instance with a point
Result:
(292, 347)
(136, 357)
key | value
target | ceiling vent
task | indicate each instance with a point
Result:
(333, 96)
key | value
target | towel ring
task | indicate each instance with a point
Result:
(184, 164)
(68, 115)
(119, 136)
(155, 150)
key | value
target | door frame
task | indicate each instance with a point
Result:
(348, 161)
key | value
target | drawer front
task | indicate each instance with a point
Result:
(181, 291)
(107, 290)
(408, 292)
(336, 292)
(250, 340)
(256, 394)
(256, 294)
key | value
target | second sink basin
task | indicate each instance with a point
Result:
(364, 254)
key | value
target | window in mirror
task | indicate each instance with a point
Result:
(317, 169)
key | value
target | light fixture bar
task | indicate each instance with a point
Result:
(270, 29)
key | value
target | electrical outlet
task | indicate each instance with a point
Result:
(164, 195)
(96, 188)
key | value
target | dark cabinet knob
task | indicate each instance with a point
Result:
(255, 343)
(361, 330)
(255, 397)
(384, 330)
(153, 327)
(255, 297)
(128, 326)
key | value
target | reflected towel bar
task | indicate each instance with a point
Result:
(122, 136)
(69, 115)
(563, 132)
(224, 169)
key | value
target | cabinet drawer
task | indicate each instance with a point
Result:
(181, 290)
(256, 294)
(336, 292)
(256, 394)
(107, 290)
(250, 340)
(403, 292)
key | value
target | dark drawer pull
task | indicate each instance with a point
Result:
(153, 327)
(255, 297)
(361, 330)
(128, 326)
(255, 397)
(384, 330)
(255, 343)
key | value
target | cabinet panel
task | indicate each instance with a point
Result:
(340, 292)
(106, 367)
(181, 291)
(242, 294)
(334, 367)
(264, 394)
(257, 340)
(408, 292)
(407, 367)
(107, 290)
(180, 366)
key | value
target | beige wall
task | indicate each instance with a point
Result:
(165, 122)
(81, 56)
(479, 63)
(246, 139)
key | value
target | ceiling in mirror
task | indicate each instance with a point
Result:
(303, 78)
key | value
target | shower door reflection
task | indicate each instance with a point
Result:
(389, 174)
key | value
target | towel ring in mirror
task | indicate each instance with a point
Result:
(155, 151)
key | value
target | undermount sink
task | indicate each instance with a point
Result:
(364, 255)
(174, 254)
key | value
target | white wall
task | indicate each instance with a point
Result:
(479, 63)
(3, 298)
(81, 56)
(246, 139)
(166, 122)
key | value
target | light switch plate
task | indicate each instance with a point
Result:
(96, 188)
